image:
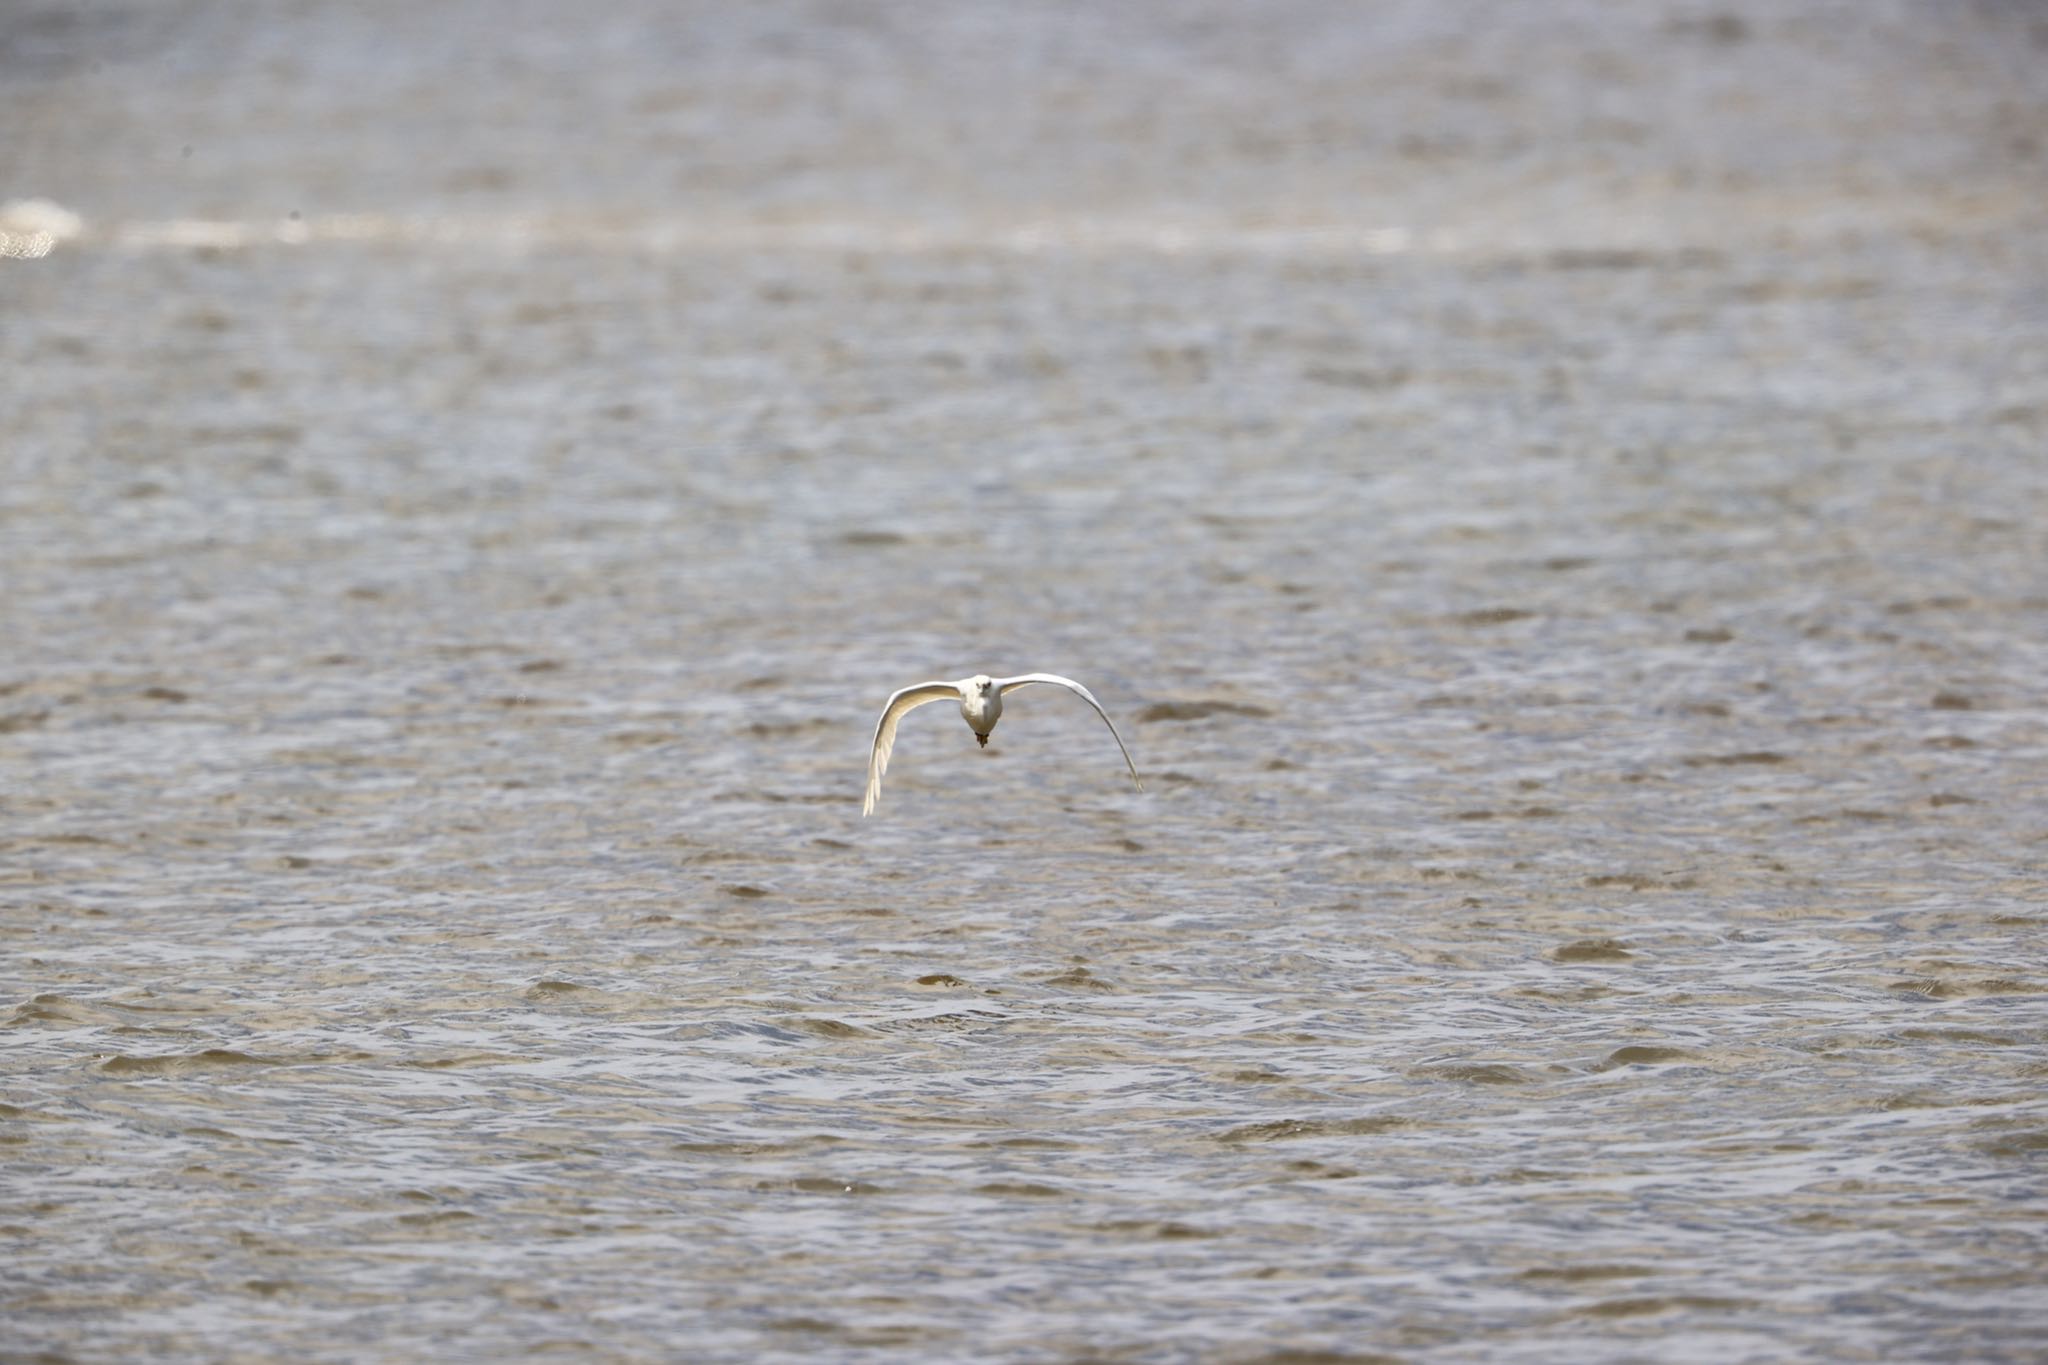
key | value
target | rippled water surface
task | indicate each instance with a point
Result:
(1553, 496)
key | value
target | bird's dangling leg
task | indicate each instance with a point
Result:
(983, 738)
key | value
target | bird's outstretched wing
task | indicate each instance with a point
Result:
(900, 703)
(1004, 686)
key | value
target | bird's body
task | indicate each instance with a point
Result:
(981, 706)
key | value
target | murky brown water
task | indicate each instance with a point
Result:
(1554, 497)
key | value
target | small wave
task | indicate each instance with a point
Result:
(31, 228)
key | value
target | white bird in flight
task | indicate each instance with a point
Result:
(981, 706)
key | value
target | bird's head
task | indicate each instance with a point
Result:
(982, 684)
